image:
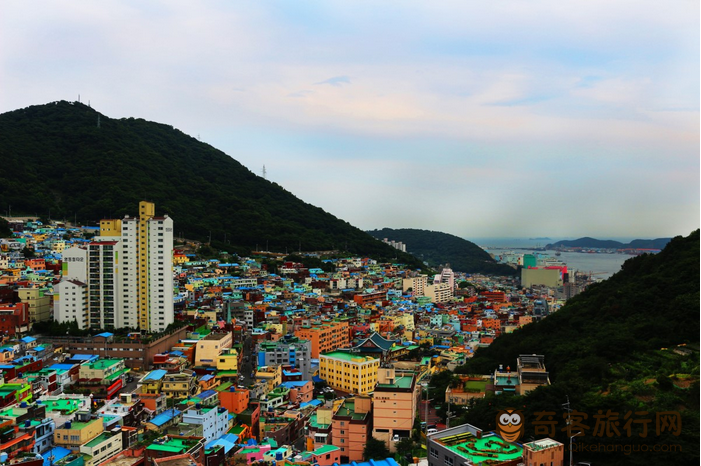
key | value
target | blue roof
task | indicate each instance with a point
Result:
(158, 374)
(206, 394)
(164, 417)
(310, 403)
(294, 384)
(385, 462)
(105, 334)
(84, 357)
(57, 453)
(61, 367)
(28, 339)
(206, 377)
(228, 441)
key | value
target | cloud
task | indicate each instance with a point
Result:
(507, 106)
(336, 81)
(299, 94)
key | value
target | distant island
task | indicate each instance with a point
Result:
(436, 248)
(545, 238)
(593, 243)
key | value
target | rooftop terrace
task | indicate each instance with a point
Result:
(489, 447)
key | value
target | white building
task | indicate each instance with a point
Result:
(439, 292)
(128, 270)
(71, 302)
(214, 421)
(103, 291)
(417, 285)
(146, 280)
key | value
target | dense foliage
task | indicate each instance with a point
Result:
(5, 231)
(438, 248)
(58, 162)
(375, 450)
(610, 348)
(588, 242)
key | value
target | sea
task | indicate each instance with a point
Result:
(601, 266)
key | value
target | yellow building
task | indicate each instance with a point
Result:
(210, 347)
(73, 434)
(271, 374)
(349, 372)
(111, 228)
(228, 361)
(39, 303)
(179, 385)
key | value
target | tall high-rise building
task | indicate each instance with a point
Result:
(128, 271)
(147, 270)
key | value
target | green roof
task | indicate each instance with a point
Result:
(103, 364)
(325, 449)
(117, 374)
(403, 381)
(99, 439)
(64, 404)
(81, 425)
(174, 445)
(466, 449)
(348, 409)
(223, 387)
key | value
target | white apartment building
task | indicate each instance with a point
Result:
(103, 291)
(128, 271)
(146, 278)
(439, 292)
(417, 284)
(71, 302)
(214, 421)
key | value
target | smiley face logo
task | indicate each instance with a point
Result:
(510, 424)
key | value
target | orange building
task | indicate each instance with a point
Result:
(544, 451)
(395, 401)
(326, 337)
(155, 402)
(351, 427)
(234, 399)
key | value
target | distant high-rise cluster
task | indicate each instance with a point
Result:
(395, 244)
(123, 278)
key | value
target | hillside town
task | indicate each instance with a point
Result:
(124, 345)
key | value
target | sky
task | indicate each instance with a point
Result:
(476, 118)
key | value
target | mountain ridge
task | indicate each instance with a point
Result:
(67, 160)
(589, 242)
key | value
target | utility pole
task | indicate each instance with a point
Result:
(566, 407)
(448, 416)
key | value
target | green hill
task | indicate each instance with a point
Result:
(57, 162)
(614, 347)
(438, 248)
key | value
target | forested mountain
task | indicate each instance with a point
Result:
(438, 248)
(615, 347)
(67, 161)
(587, 242)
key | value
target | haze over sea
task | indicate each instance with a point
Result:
(601, 265)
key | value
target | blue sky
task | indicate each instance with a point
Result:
(500, 118)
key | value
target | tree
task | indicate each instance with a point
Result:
(375, 450)
(405, 447)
